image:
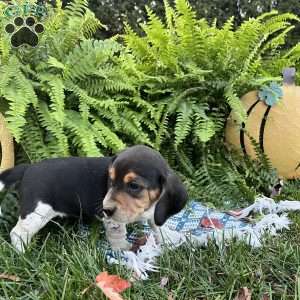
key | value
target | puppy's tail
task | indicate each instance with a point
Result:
(11, 176)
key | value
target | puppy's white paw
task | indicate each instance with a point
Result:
(17, 242)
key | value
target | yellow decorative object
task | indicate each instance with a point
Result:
(276, 128)
(7, 146)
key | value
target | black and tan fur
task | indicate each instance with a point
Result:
(137, 184)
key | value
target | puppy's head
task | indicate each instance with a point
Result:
(142, 186)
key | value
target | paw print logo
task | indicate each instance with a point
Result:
(24, 32)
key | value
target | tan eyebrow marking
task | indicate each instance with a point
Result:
(129, 177)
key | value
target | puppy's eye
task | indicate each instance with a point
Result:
(133, 186)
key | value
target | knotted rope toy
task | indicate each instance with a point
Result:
(199, 224)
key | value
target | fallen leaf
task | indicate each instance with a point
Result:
(112, 285)
(170, 297)
(266, 297)
(109, 292)
(243, 294)
(211, 223)
(10, 277)
(164, 281)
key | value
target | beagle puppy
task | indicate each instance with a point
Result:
(137, 184)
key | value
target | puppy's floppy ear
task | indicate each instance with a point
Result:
(113, 158)
(173, 198)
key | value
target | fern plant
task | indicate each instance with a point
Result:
(225, 179)
(195, 74)
(72, 94)
(198, 71)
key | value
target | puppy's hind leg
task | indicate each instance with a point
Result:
(27, 227)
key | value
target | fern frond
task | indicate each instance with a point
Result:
(76, 8)
(169, 13)
(162, 129)
(82, 134)
(54, 128)
(20, 94)
(53, 62)
(33, 141)
(57, 98)
(107, 137)
(90, 24)
(235, 104)
(204, 127)
(183, 123)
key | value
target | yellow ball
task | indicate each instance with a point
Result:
(275, 128)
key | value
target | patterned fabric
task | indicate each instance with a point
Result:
(199, 224)
(188, 222)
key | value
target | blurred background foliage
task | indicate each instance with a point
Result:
(113, 13)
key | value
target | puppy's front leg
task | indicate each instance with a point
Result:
(156, 231)
(116, 235)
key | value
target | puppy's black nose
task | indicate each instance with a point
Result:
(108, 212)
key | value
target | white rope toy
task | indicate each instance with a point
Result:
(185, 227)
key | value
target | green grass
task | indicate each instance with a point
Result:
(60, 264)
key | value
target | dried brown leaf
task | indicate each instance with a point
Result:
(109, 292)
(243, 294)
(266, 297)
(112, 285)
(170, 297)
(10, 277)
